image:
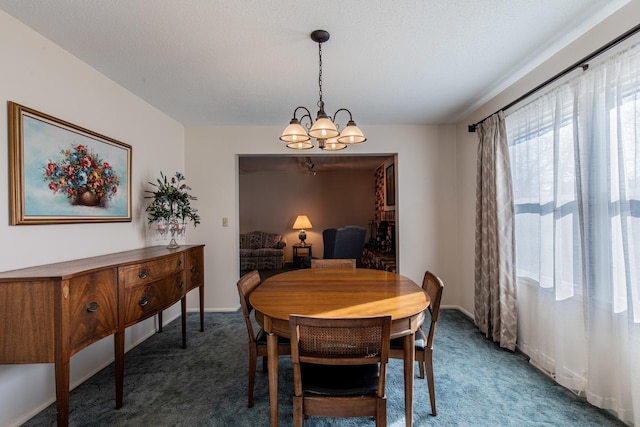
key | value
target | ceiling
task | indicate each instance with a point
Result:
(251, 62)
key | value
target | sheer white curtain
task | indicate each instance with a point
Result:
(575, 160)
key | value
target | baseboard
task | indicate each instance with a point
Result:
(215, 310)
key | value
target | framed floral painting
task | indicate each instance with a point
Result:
(62, 173)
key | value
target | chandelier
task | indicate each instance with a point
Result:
(324, 130)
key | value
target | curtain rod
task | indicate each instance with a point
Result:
(581, 63)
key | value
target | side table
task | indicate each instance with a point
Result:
(299, 252)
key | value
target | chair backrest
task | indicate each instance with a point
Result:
(246, 285)
(347, 341)
(333, 263)
(433, 286)
(344, 243)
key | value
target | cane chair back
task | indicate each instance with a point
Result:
(339, 367)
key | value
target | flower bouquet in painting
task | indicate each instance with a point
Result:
(82, 176)
(170, 208)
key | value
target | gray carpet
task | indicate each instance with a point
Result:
(477, 384)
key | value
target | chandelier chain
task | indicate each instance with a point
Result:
(320, 102)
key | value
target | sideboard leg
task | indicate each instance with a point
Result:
(62, 352)
(118, 340)
(201, 292)
(62, 391)
(183, 308)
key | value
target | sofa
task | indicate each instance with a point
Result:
(260, 250)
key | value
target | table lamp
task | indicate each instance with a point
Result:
(302, 222)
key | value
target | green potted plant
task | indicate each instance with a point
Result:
(170, 208)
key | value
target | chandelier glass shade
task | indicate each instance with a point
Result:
(324, 129)
(331, 144)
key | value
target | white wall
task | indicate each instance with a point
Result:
(426, 194)
(466, 143)
(40, 75)
(271, 200)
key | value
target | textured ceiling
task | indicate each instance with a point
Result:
(251, 62)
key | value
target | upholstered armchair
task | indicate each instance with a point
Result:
(344, 243)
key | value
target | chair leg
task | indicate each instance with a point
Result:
(253, 361)
(297, 411)
(381, 413)
(420, 358)
(432, 389)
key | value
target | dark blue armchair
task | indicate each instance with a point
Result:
(344, 243)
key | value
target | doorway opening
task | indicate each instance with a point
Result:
(333, 191)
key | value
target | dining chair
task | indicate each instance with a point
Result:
(333, 263)
(257, 342)
(339, 367)
(433, 286)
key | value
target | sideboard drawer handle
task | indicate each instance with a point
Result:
(179, 263)
(143, 301)
(92, 307)
(180, 284)
(142, 274)
(193, 269)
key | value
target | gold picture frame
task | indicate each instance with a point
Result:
(61, 173)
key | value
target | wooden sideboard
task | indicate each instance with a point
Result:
(50, 312)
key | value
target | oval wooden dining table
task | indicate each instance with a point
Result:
(337, 293)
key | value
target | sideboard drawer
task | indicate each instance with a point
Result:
(195, 267)
(141, 302)
(147, 272)
(93, 307)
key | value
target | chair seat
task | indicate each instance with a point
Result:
(398, 343)
(339, 380)
(261, 338)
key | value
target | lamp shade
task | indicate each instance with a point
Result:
(351, 134)
(331, 144)
(304, 145)
(301, 222)
(323, 128)
(294, 133)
